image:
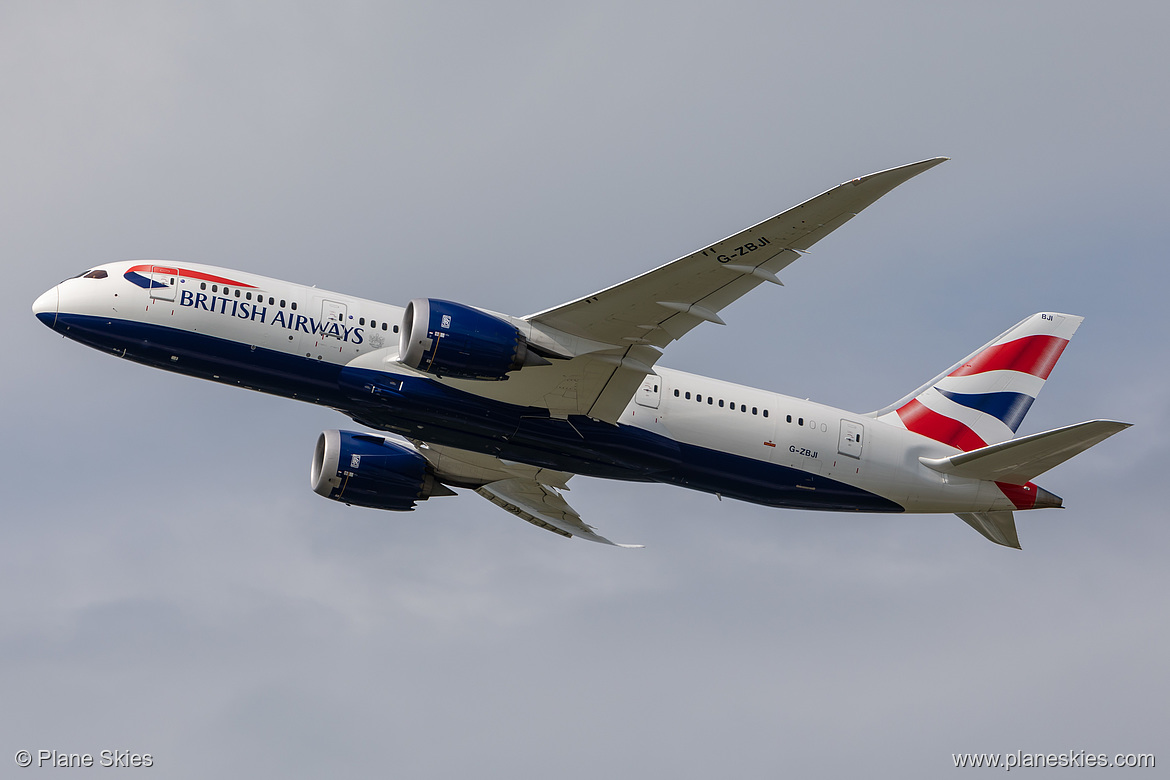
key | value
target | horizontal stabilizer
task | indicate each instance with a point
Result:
(999, 527)
(1018, 461)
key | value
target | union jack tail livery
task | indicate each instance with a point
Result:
(983, 399)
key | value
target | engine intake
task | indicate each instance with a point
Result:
(449, 339)
(368, 470)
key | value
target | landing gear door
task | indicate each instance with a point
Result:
(163, 282)
(649, 393)
(850, 442)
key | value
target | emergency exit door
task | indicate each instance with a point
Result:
(649, 393)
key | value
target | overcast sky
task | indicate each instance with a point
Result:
(169, 584)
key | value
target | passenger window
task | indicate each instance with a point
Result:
(789, 418)
(294, 305)
(765, 412)
(215, 288)
(676, 393)
(203, 285)
(800, 421)
(237, 293)
(711, 400)
(361, 320)
(688, 395)
(271, 300)
(720, 403)
(395, 328)
(248, 296)
(754, 410)
(282, 303)
(383, 326)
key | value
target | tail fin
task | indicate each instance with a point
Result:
(983, 398)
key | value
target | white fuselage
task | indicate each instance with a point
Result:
(314, 328)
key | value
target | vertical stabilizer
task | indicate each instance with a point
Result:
(983, 399)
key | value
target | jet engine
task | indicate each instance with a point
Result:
(368, 470)
(449, 339)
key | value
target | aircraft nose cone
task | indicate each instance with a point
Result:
(45, 307)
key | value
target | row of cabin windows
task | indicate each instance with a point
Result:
(712, 401)
(247, 295)
(374, 324)
(742, 407)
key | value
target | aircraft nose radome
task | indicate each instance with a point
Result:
(45, 307)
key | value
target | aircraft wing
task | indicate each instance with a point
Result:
(541, 505)
(529, 492)
(664, 304)
(607, 343)
(613, 337)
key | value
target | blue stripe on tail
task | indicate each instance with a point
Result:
(1009, 408)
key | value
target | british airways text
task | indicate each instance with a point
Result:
(258, 313)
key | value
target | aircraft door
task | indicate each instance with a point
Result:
(163, 282)
(850, 442)
(649, 394)
(333, 312)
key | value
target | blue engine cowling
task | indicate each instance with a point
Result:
(449, 339)
(368, 470)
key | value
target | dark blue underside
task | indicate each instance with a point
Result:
(423, 409)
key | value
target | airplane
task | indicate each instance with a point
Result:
(514, 407)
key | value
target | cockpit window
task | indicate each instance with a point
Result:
(98, 274)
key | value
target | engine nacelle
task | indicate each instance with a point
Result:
(449, 339)
(368, 470)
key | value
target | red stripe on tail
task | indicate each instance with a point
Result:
(923, 420)
(1035, 355)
